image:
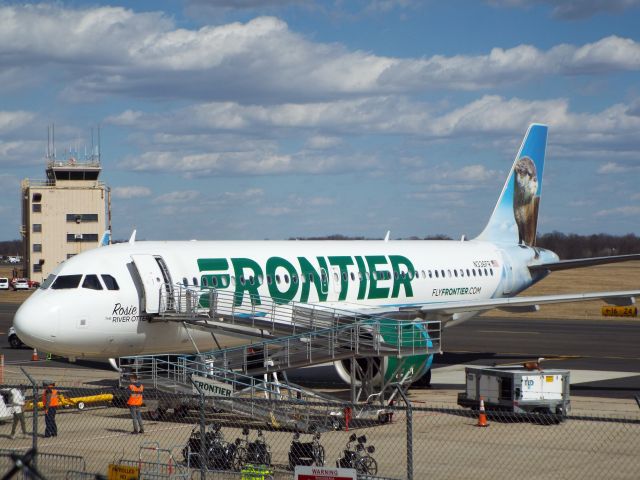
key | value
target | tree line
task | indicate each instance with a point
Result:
(566, 246)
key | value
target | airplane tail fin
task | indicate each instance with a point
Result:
(515, 216)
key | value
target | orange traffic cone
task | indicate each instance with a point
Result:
(482, 417)
(34, 355)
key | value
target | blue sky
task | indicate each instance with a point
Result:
(256, 119)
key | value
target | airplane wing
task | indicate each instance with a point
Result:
(583, 262)
(513, 304)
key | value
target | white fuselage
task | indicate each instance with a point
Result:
(88, 319)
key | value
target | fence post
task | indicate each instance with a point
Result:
(203, 444)
(409, 433)
(34, 436)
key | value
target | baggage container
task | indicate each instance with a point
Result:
(517, 389)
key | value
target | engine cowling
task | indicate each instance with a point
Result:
(385, 369)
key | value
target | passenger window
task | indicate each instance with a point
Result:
(335, 277)
(294, 278)
(468, 273)
(91, 282)
(185, 282)
(311, 278)
(485, 272)
(241, 279)
(110, 282)
(252, 280)
(214, 281)
(479, 272)
(455, 272)
(344, 276)
(286, 278)
(353, 276)
(195, 281)
(436, 273)
(474, 272)
(442, 273)
(66, 281)
(204, 282)
(269, 279)
(278, 279)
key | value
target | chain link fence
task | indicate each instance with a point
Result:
(260, 438)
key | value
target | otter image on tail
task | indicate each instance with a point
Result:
(526, 200)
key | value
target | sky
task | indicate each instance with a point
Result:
(273, 119)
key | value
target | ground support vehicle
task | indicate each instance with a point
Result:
(20, 284)
(518, 389)
(358, 456)
(74, 402)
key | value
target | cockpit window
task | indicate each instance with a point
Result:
(48, 281)
(66, 281)
(91, 282)
(110, 282)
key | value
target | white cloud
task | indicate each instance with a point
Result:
(573, 9)
(13, 120)
(114, 50)
(133, 191)
(625, 211)
(182, 196)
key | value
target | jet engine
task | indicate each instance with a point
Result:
(392, 334)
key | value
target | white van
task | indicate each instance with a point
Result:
(4, 283)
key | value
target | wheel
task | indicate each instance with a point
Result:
(80, 405)
(14, 341)
(368, 466)
(239, 458)
(318, 456)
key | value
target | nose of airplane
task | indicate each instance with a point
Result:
(36, 322)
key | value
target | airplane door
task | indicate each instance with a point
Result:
(507, 274)
(152, 281)
(324, 281)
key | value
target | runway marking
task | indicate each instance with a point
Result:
(508, 332)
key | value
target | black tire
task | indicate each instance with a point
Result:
(14, 341)
(368, 466)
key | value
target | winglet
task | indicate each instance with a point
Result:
(132, 238)
(106, 238)
(386, 237)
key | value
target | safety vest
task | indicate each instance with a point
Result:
(135, 399)
(53, 393)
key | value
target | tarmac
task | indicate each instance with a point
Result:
(445, 445)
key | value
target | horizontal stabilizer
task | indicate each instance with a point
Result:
(583, 262)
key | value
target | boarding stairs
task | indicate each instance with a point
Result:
(284, 336)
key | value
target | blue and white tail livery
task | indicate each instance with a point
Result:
(105, 302)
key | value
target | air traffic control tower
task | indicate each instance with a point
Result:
(63, 215)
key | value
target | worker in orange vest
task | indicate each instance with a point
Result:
(50, 401)
(135, 402)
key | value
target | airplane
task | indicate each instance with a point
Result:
(102, 302)
(14, 259)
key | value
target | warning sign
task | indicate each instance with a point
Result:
(123, 472)
(323, 473)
